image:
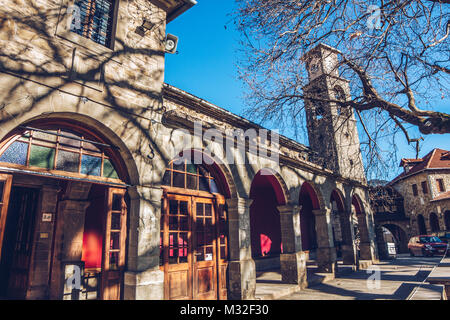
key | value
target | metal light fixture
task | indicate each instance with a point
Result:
(171, 43)
(147, 25)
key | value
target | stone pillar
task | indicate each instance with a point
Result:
(241, 267)
(69, 233)
(382, 247)
(40, 273)
(326, 253)
(349, 256)
(144, 280)
(365, 251)
(293, 259)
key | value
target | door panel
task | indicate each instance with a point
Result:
(5, 190)
(205, 277)
(177, 246)
(222, 248)
(113, 262)
(191, 242)
(19, 234)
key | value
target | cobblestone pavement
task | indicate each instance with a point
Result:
(398, 278)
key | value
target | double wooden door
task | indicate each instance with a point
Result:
(113, 262)
(193, 247)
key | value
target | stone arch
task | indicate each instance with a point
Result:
(98, 128)
(434, 222)
(309, 200)
(360, 221)
(400, 236)
(268, 194)
(447, 220)
(216, 166)
(421, 227)
(341, 228)
(81, 201)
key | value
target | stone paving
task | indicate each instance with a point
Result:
(399, 277)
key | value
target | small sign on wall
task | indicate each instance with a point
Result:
(47, 217)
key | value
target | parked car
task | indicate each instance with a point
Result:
(426, 245)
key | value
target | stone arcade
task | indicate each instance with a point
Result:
(91, 177)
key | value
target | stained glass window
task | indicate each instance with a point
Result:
(185, 175)
(60, 150)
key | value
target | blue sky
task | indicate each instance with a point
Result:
(205, 66)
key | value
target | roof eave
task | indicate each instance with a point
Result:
(187, 4)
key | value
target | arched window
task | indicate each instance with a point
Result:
(181, 173)
(58, 149)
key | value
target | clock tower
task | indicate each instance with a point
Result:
(332, 130)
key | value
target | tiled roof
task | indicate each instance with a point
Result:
(436, 159)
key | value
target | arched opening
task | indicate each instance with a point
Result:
(267, 194)
(395, 234)
(447, 220)
(194, 230)
(337, 212)
(362, 241)
(63, 196)
(308, 201)
(434, 222)
(421, 225)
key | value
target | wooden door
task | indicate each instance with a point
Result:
(114, 247)
(204, 250)
(177, 246)
(5, 190)
(222, 248)
(194, 247)
(19, 235)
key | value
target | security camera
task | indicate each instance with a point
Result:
(171, 43)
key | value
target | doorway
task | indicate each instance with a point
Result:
(193, 248)
(18, 242)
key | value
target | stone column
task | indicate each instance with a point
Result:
(40, 273)
(349, 256)
(365, 251)
(293, 259)
(69, 233)
(382, 247)
(326, 253)
(241, 267)
(144, 280)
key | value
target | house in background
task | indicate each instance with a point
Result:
(425, 187)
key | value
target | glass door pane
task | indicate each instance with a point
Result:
(113, 263)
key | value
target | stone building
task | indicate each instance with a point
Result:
(425, 187)
(99, 195)
(391, 222)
